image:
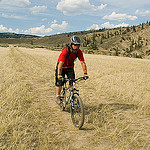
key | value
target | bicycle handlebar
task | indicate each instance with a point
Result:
(74, 80)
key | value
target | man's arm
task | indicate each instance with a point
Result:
(84, 67)
(60, 67)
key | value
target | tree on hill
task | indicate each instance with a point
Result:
(93, 44)
(128, 29)
(134, 30)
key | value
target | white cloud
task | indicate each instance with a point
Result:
(106, 25)
(44, 19)
(62, 26)
(12, 16)
(127, 4)
(143, 13)
(36, 9)
(5, 29)
(122, 25)
(19, 3)
(38, 30)
(54, 21)
(93, 27)
(102, 6)
(77, 7)
(119, 17)
(43, 30)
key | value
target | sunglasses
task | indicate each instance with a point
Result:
(76, 44)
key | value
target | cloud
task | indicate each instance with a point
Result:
(5, 29)
(143, 13)
(127, 4)
(44, 19)
(102, 6)
(60, 27)
(54, 21)
(12, 16)
(36, 9)
(39, 30)
(93, 27)
(122, 25)
(19, 3)
(77, 7)
(43, 30)
(107, 25)
(119, 17)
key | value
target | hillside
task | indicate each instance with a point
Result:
(14, 35)
(127, 41)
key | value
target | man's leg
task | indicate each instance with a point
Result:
(71, 75)
(58, 90)
(58, 85)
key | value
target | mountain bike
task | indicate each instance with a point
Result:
(70, 95)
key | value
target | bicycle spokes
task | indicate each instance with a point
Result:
(77, 112)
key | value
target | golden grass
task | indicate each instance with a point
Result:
(116, 100)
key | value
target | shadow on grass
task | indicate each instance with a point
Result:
(112, 107)
(87, 129)
(100, 114)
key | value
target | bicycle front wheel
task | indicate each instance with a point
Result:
(77, 111)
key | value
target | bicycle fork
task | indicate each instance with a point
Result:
(72, 100)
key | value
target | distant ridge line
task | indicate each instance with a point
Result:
(14, 35)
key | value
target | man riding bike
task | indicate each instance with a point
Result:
(65, 64)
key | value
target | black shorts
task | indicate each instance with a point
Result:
(70, 74)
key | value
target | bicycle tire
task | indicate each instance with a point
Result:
(77, 111)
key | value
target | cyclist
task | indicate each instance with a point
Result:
(65, 64)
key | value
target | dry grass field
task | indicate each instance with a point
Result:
(116, 100)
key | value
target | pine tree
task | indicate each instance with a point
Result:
(31, 42)
(134, 29)
(94, 44)
(128, 29)
(101, 41)
(142, 26)
(108, 34)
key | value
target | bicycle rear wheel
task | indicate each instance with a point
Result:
(77, 112)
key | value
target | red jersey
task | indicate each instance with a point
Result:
(69, 61)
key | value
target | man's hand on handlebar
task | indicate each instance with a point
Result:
(86, 76)
(60, 78)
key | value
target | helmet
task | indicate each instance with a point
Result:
(75, 40)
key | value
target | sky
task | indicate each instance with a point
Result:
(49, 17)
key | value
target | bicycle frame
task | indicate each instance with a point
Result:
(71, 93)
